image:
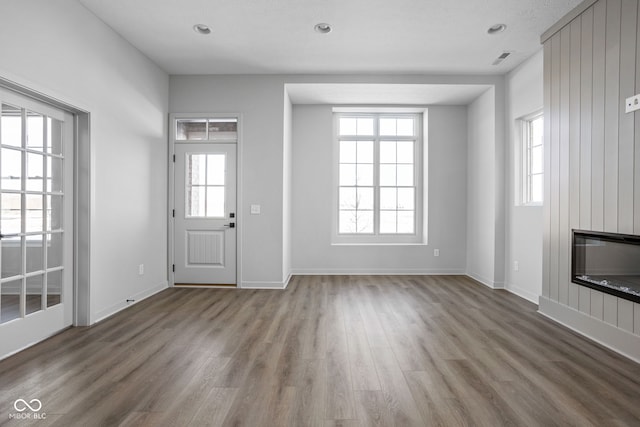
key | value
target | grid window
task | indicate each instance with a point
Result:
(378, 175)
(533, 159)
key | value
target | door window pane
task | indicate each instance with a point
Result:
(35, 131)
(11, 256)
(11, 126)
(10, 300)
(10, 217)
(35, 172)
(34, 213)
(205, 188)
(35, 253)
(54, 212)
(11, 169)
(54, 137)
(35, 286)
(54, 250)
(54, 288)
(55, 174)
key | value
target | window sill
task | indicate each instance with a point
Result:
(378, 244)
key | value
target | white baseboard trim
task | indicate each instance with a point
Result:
(616, 339)
(488, 283)
(250, 284)
(110, 311)
(377, 271)
(523, 293)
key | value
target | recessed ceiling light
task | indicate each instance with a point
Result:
(202, 29)
(322, 28)
(495, 29)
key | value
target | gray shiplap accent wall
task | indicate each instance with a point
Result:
(592, 148)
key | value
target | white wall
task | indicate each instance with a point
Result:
(481, 196)
(524, 90)
(313, 190)
(62, 50)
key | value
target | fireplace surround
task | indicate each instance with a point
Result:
(608, 262)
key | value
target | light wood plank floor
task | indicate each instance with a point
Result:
(328, 351)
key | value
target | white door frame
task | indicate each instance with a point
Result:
(171, 196)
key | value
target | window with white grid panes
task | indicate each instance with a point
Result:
(379, 177)
(532, 159)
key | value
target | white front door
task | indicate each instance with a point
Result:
(205, 214)
(36, 221)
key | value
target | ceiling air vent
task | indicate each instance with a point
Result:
(501, 58)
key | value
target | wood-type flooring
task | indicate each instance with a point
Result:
(327, 351)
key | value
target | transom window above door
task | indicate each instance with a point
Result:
(220, 129)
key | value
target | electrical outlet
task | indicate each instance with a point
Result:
(141, 269)
(632, 104)
(516, 266)
(255, 209)
(436, 252)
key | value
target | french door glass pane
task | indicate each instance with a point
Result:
(11, 126)
(10, 300)
(54, 288)
(10, 217)
(54, 250)
(54, 174)
(35, 253)
(35, 131)
(54, 137)
(197, 170)
(54, 212)
(35, 285)
(35, 172)
(34, 213)
(11, 169)
(11, 256)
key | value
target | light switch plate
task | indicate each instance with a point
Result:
(255, 209)
(632, 104)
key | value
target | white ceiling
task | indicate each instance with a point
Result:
(369, 36)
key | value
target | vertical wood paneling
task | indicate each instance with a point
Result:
(611, 115)
(625, 315)
(597, 140)
(546, 209)
(574, 146)
(611, 309)
(565, 140)
(554, 171)
(585, 300)
(628, 31)
(592, 156)
(586, 94)
(597, 304)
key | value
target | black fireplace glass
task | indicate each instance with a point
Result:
(608, 262)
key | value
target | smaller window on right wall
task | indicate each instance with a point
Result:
(532, 159)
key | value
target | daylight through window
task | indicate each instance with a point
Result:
(379, 175)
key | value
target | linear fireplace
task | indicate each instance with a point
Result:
(607, 262)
